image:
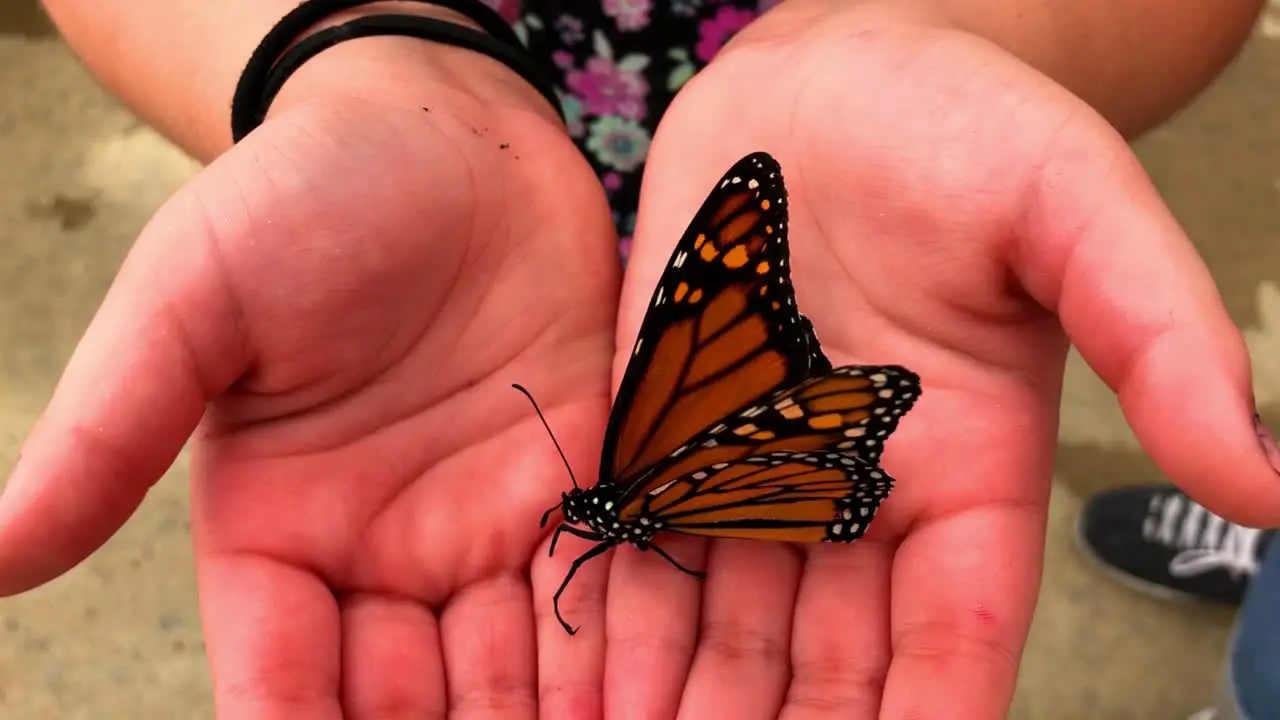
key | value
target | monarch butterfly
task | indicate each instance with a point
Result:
(730, 421)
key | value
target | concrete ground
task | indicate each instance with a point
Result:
(120, 637)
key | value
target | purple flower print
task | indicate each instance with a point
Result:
(570, 29)
(714, 32)
(607, 90)
(612, 181)
(628, 14)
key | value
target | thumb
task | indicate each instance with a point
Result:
(161, 345)
(1101, 249)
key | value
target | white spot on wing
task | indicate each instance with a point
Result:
(659, 490)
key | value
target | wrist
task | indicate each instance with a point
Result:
(404, 72)
(1135, 62)
(799, 18)
(181, 81)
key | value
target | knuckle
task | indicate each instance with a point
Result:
(740, 642)
(497, 696)
(947, 643)
(844, 685)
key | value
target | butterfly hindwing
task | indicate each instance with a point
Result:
(851, 410)
(786, 496)
(722, 330)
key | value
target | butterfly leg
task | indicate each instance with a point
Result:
(555, 600)
(576, 532)
(547, 515)
(696, 573)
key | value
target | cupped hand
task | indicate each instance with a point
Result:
(956, 212)
(338, 308)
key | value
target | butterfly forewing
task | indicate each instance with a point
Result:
(721, 331)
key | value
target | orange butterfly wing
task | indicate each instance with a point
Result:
(840, 420)
(722, 331)
(782, 496)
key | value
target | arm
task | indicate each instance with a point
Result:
(175, 63)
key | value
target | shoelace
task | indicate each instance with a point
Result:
(1207, 542)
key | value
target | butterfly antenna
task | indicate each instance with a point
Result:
(553, 435)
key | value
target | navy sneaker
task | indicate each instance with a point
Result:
(1158, 540)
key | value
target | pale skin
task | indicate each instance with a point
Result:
(351, 291)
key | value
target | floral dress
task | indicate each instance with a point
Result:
(617, 64)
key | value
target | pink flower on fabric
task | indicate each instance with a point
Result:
(714, 32)
(562, 58)
(629, 14)
(607, 90)
(508, 9)
(612, 181)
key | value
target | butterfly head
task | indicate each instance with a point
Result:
(576, 505)
(573, 505)
(570, 504)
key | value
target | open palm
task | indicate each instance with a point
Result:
(957, 213)
(350, 293)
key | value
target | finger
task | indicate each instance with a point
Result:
(571, 667)
(273, 636)
(742, 663)
(840, 649)
(490, 660)
(162, 342)
(963, 592)
(391, 659)
(652, 626)
(1101, 249)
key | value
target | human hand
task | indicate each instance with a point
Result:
(345, 298)
(954, 211)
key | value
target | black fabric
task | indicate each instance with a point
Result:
(619, 65)
(262, 78)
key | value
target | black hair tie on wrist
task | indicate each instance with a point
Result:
(263, 75)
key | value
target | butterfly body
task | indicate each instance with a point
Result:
(730, 421)
(594, 508)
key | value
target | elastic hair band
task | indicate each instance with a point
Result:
(262, 79)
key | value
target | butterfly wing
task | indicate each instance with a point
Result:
(783, 496)
(722, 330)
(850, 411)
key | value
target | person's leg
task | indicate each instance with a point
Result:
(1253, 666)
